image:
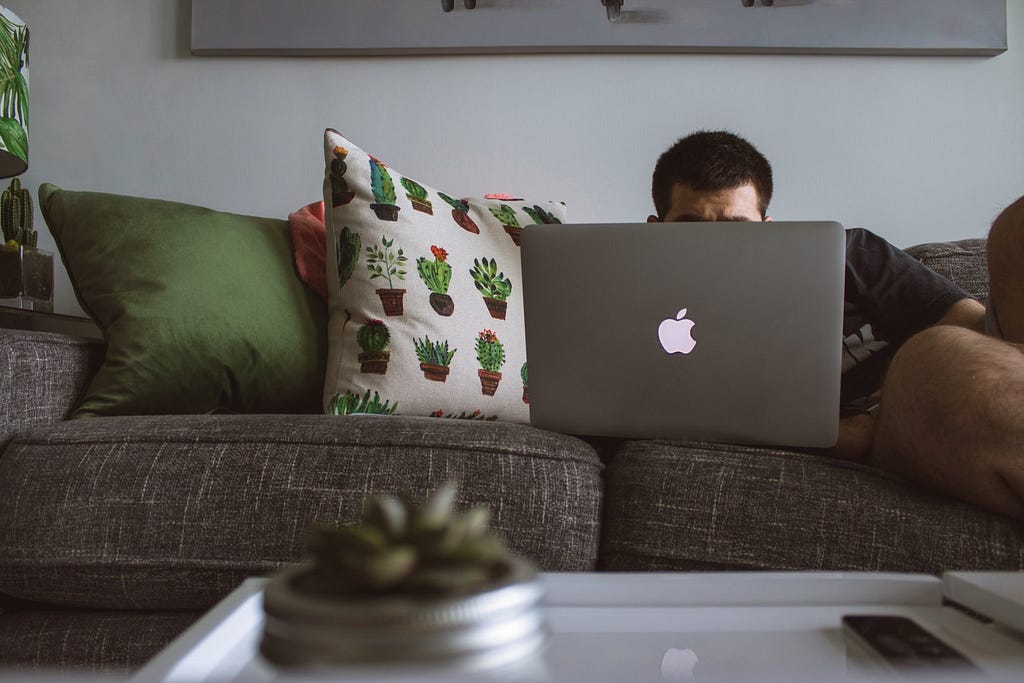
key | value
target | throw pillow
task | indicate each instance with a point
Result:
(425, 290)
(201, 310)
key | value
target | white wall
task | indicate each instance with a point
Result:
(915, 148)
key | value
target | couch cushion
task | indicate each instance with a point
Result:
(174, 512)
(700, 506)
(963, 261)
(201, 310)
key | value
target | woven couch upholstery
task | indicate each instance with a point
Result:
(116, 533)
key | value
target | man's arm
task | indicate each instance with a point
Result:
(965, 313)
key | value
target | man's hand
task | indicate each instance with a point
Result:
(856, 435)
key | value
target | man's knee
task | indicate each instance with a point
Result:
(952, 417)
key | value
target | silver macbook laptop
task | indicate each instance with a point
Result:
(727, 332)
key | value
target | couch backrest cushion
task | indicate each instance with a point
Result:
(201, 310)
(963, 261)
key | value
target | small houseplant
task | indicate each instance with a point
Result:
(490, 353)
(435, 358)
(373, 338)
(25, 271)
(493, 285)
(437, 276)
(384, 262)
(407, 584)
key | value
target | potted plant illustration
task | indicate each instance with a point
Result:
(417, 195)
(347, 248)
(340, 194)
(25, 271)
(460, 213)
(373, 338)
(490, 353)
(526, 384)
(437, 276)
(351, 403)
(387, 264)
(540, 216)
(493, 285)
(507, 215)
(383, 188)
(435, 358)
(407, 584)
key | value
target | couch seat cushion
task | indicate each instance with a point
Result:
(701, 506)
(173, 512)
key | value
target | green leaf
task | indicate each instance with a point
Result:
(14, 139)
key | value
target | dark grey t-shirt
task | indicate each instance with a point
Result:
(890, 296)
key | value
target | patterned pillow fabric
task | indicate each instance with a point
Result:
(425, 292)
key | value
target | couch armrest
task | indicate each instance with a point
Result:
(42, 377)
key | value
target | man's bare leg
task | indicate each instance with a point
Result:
(952, 413)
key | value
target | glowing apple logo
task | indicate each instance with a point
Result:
(676, 335)
(677, 665)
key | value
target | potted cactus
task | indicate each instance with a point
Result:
(417, 195)
(526, 384)
(26, 272)
(493, 285)
(437, 276)
(347, 249)
(435, 358)
(490, 353)
(384, 262)
(351, 403)
(507, 215)
(460, 213)
(340, 194)
(383, 188)
(407, 584)
(373, 338)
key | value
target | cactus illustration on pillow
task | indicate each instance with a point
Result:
(526, 383)
(490, 353)
(460, 213)
(340, 194)
(540, 216)
(383, 189)
(351, 403)
(435, 358)
(373, 338)
(417, 195)
(347, 249)
(507, 215)
(437, 276)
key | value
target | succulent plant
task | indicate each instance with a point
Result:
(436, 274)
(348, 246)
(507, 215)
(16, 215)
(489, 281)
(381, 184)
(351, 403)
(457, 204)
(489, 351)
(401, 549)
(539, 215)
(433, 353)
(373, 336)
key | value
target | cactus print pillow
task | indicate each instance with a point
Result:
(425, 292)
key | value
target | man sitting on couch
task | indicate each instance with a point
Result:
(941, 422)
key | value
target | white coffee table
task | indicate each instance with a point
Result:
(647, 627)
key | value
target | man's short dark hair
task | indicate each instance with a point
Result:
(711, 160)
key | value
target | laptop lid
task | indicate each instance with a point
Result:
(726, 332)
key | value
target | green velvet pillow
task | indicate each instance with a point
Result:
(202, 311)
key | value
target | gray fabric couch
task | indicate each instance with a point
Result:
(117, 533)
